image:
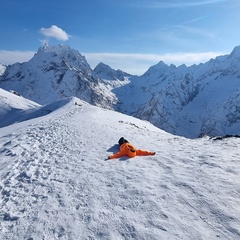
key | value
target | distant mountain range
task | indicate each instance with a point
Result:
(190, 101)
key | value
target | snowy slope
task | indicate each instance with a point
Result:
(56, 181)
(14, 108)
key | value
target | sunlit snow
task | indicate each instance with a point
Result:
(56, 181)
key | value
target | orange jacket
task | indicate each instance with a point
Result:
(129, 150)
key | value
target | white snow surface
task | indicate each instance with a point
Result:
(14, 108)
(57, 183)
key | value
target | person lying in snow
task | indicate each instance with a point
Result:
(127, 149)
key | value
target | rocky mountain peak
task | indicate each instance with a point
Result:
(235, 52)
(159, 68)
(106, 72)
(61, 55)
(54, 72)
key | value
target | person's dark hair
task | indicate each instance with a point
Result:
(122, 140)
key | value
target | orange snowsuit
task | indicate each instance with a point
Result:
(129, 150)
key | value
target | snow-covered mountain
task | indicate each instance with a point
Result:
(56, 184)
(103, 71)
(55, 72)
(188, 101)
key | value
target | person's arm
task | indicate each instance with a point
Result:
(116, 155)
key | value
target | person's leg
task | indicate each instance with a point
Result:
(144, 152)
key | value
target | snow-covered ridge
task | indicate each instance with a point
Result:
(15, 109)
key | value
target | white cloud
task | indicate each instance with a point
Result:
(10, 57)
(181, 4)
(55, 32)
(139, 63)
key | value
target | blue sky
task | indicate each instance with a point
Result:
(131, 35)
